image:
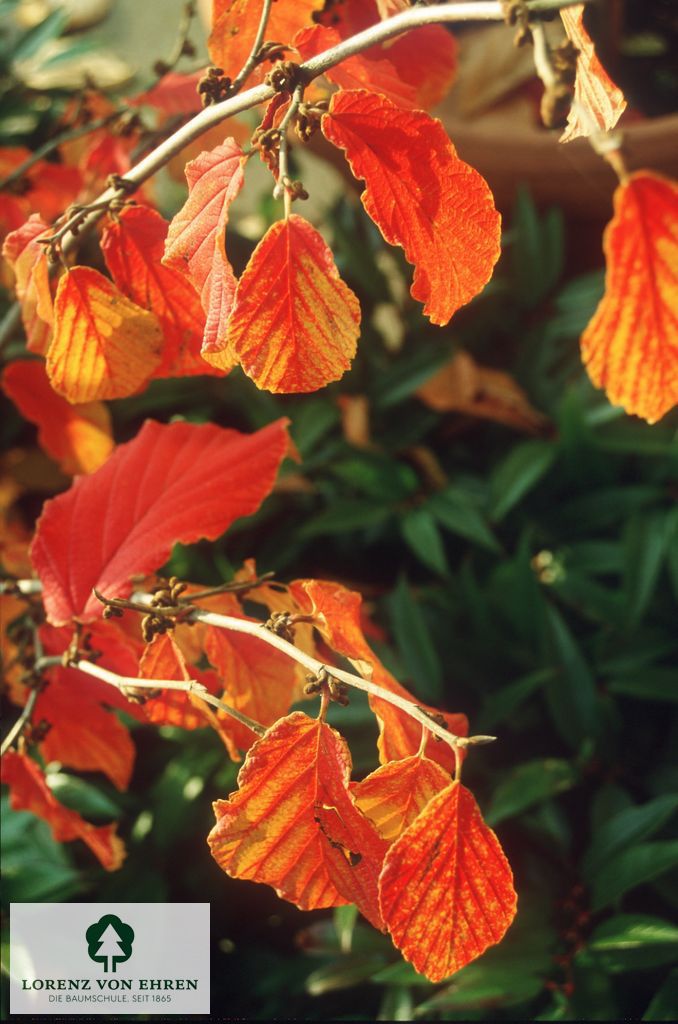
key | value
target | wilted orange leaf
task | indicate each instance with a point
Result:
(258, 680)
(421, 196)
(295, 324)
(133, 246)
(31, 277)
(195, 244)
(78, 437)
(630, 347)
(337, 613)
(598, 102)
(462, 385)
(29, 792)
(104, 346)
(268, 831)
(235, 24)
(397, 792)
(446, 889)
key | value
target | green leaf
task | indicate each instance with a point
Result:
(630, 868)
(530, 784)
(376, 476)
(665, 1000)
(646, 541)
(505, 701)
(81, 796)
(408, 373)
(343, 973)
(634, 941)
(476, 988)
(520, 471)
(651, 684)
(629, 826)
(455, 509)
(344, 925)
(571, 694)
(50, 28)
(344, 516)
(396, 1004)
(413, 640)
(422, 536)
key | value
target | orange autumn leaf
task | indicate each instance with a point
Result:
(338, 618)
(258, 680)
(462, 385)
(104, 346)
(195, 244)
(29, 792)
(598, 102)
(163, 659)
(31, 278)
(235, 24)
(421, 196)
(133, 245)
(630, 347)
(78, 437)
(278, 827)
(83, 734)
(394, 794)
(446, 889)
(295, 324)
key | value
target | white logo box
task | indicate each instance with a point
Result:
(109, 958)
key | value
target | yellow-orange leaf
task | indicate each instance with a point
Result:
(29, 263)
(397, 792)
(598, 102)
(337, 613)
(77, 436)
(235, 24)
(446, 889)
(104, 346)
(421, 196)
(295, 324)
(279, 827)
(630, 347)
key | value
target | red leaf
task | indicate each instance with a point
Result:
(414, 70)
(104, 346)
(175, 93)
(30, 792)
(598, 102)
(171, 484)
(196, 239)
(29, 263)
(83, 735)
(446, 889)
(337, 613)
(295, 324)
(421, 196)
(396, 793)
(235, 24)
(268, 831)
(133, 245)
(630, 347)
(77, 436)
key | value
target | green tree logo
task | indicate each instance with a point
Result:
(109, 942)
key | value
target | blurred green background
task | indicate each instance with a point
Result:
(529, 580)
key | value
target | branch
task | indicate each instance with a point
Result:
(414, 17)
(25, 717)
(259, 631)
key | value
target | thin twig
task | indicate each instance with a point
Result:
(251, 61)
(24, 718)
(282, 188)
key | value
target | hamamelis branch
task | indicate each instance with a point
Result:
(415, 17)
(318, 668)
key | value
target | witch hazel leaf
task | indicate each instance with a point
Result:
(337, 614)
(421, 196)
(235, 24)
(104, 345)
(279, 827)
(78, 437)
(133, 246)
(446, 889)
(630, 347)
(174, 483)
(598, 102)
(295, 324)
(29, 792)
(394, 794)
(195, 244)
(31, 275)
